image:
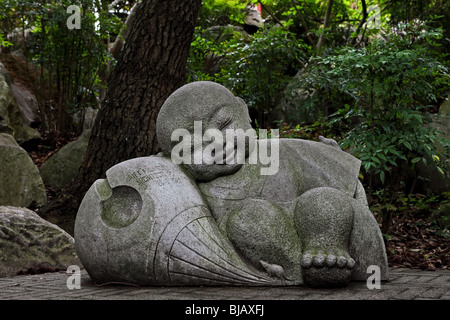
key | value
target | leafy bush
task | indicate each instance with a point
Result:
(74, 59)
(221, 12)
(71, 63)
(259, 68)
(3, 42)
(391, 85)
(205, 54)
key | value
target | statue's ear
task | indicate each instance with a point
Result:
(244, 105)
(242, 102)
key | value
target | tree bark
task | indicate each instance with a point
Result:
(363, 20)
(305, 25)
(151, 66)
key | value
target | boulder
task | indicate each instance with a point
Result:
(11, 120)
(435, 182)
(20, 182)
(28, 105)
(30, 244)
(442, 119)
(220, 33)
(291, 104)
(85, 118)
(62, 167)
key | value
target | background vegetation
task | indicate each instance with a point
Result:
(372, 83)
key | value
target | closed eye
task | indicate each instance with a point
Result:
(225, 123)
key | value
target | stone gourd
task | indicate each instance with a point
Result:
(146, 224)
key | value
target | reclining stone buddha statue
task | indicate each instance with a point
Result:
(158, 221)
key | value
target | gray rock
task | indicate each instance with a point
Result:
(11, 120)
(31, 244)
(266, 235)
(27, 104)
(433, 181)
(221, 33)
(252, 16)
(85, 118)
(20, 182)
(256, 211)
(290, 104)
(62, 167)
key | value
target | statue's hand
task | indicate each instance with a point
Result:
(329, 142)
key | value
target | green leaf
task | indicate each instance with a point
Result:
(407, 144)
(368, 165)
(380, 155)
(415, 160)
(382, 177)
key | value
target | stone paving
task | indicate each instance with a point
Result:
(405, 284)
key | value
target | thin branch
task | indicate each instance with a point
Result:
(363, 20)
(325, 25)
(362, 37)
(305, 25)
(270, 13)
(279, 22)
(114, 3)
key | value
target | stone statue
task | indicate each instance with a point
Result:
(156, 221)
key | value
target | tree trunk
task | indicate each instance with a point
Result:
(151, 66)
(325, 25)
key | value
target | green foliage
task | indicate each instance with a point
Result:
(221, 12)
(204, 56)
(391, 84)
(435, 13)
(3, 42)
(308, 131)
(435, 208)
(71, 62)
(259, 69)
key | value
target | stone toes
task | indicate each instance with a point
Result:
(319, 260)
(341, 262)
(306, 260)
(331, 260)
(350, 263)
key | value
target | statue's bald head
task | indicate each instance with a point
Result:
(197, 101)
(212, 104)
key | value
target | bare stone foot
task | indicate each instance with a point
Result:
(326, 269)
